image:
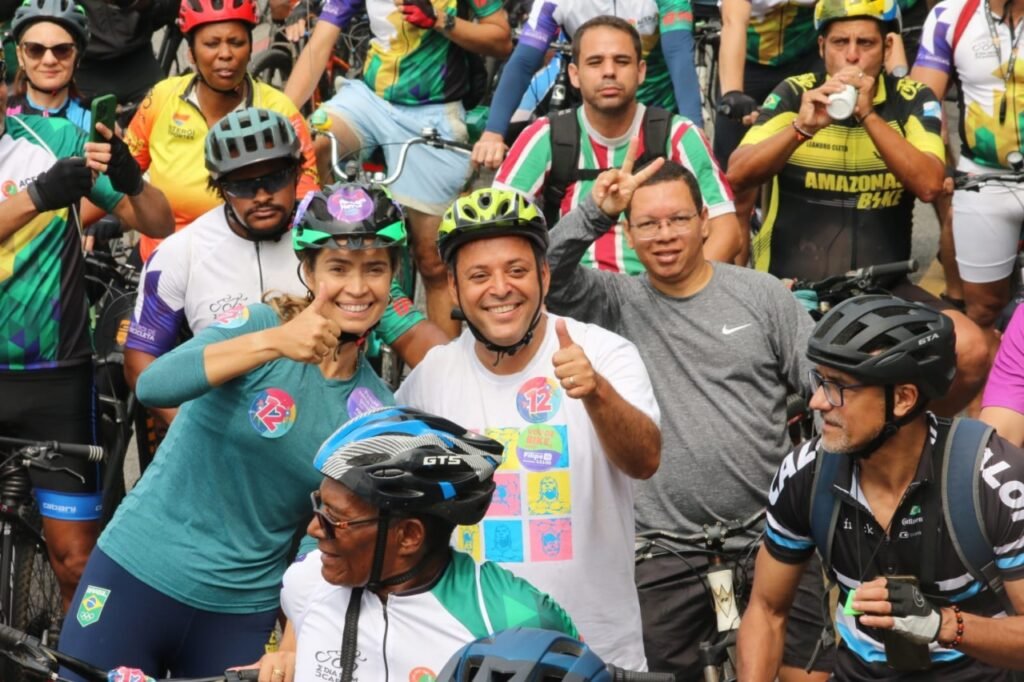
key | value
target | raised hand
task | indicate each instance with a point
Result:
(613, 189)
(313, 334)
(572, 367)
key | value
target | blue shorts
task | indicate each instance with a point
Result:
(432, 178)
(115, 619)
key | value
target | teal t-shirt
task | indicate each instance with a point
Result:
(211, 522)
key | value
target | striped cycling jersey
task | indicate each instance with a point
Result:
(72, 110)
(167, 137)
(835, 206)
(863, 550)
(780, 31)
(44, 317)
(406, 64)
(528, 163)
(651, 18)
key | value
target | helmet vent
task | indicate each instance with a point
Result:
(504, 207)
(847, 334)
(470, 213)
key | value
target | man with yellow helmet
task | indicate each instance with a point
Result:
(842, 180)
(571, 402)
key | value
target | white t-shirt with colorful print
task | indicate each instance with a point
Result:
(562, 513)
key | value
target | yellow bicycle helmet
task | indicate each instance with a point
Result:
(490, 212)
(885, 11)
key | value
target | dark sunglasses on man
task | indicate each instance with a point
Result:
(250, 187)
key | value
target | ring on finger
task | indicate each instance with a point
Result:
(571, 381)
(276, 672)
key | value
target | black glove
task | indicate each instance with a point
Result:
(123, 170)
(915, 617)
(63, 184)
(105, 229)
(736, 105)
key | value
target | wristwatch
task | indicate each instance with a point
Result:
(449, 23)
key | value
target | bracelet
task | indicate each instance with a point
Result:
(959, 630)
(801, 134)
(860, 121)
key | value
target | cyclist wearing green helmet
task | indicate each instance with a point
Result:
(572, 400)
(203, 538)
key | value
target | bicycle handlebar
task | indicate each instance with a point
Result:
(713, 535)
(974, 182)
(90, 453)
(861, 278)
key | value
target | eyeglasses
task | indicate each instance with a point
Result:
(250, 187)
(677, 225)
(329, 525)
(62, 51)
(834, 391)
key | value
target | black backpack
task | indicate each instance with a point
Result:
(564, 134)
(476, 67)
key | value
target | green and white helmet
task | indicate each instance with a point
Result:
(364, 218)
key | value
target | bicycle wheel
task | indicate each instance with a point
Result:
(706, 61)
(272, 66)
(36, 601)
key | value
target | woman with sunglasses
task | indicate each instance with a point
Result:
(168, 131)
(51, 36)
(186, 578)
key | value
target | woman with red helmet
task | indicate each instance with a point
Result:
(166, 135)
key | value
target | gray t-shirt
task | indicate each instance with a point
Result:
(721, 362)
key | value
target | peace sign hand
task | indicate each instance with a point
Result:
(613, 189)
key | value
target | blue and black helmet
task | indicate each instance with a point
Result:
(525, 655)
(408, 461)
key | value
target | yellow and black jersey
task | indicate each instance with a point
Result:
(835, 206)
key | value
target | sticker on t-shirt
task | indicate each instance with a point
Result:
(541, 447)
(503, 540)
(421, 674)
(232, 318)
(361, 400)
(538, 399)
(551, 540)
(272, 413)
(91, 607)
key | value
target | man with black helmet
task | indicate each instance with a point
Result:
(396, 483)
(571, 402)
(907, 600)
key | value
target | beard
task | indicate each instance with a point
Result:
(840, 443)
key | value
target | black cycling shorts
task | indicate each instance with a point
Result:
(56, 404)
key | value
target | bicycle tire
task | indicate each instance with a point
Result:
(272, 66)
(36, 600)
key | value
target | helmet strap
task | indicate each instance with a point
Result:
(891, 426)
(255, 235)
(50, 93)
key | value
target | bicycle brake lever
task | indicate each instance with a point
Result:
(46, 467)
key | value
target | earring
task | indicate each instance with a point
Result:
(309, 295)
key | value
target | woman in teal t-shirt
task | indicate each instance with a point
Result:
(187, 576)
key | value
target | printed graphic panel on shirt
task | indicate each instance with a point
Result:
(232, 318)
(541, 447)
(551, 539)
(503, 540)
(467, 539)
(549, 493)
(508, 497)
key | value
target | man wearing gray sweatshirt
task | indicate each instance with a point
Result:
(723, 346)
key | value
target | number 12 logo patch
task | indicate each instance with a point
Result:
(272, 413)
(538, 399)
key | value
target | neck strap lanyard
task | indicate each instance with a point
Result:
(1011, 61)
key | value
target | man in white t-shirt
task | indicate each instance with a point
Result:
(571, 402)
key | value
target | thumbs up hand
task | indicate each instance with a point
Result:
(313, 334)
(572, 367)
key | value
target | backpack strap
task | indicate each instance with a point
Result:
(961, 466)
(824, 505)
(657, 124)
(966, 12)
(564, 135)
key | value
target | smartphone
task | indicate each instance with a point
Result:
(901, 653)
(104, 110)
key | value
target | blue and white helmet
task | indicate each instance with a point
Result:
(404, 460)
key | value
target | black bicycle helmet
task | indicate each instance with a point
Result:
(403, 460)
(247, 137)
(65, 13)
(367, 218)
(490, 212)
(884, 340)
(525, 655)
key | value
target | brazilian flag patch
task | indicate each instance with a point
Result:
(91, 608)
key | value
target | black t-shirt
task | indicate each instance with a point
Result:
(862, 550)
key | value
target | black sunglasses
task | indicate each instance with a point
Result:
(250, 187)
(331, 526)
(62, 51)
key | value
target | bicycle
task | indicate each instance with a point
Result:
(114, 282)
(30, 597)
(707, 37)
(717, 655)
(390, 367)
(34, 657)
